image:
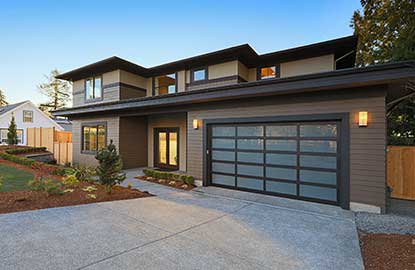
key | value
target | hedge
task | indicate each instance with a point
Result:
(188, 179)
(15, 151)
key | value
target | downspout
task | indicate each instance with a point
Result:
(342, 57)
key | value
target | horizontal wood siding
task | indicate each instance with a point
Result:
(113, 125)
(367, 145)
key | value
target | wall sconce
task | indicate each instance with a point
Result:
(363, 119)
(195, 124)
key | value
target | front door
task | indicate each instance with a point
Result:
(166, 150)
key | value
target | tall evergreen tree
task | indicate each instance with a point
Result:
(12, 132)
(57, 91)
(3, 101)
(386, 33)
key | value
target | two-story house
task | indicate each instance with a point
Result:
(302, 123)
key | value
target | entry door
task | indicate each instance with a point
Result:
(298, 160)
(166, 150)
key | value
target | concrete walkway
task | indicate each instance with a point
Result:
(203, 229)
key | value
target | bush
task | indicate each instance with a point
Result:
(20, 160)
(190, 180)
(15, 151)
(187, 179)
(71, 181)
(110, 165)
(50, 186)
(1, 181)
(84, 173)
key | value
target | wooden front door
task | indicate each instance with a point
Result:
(166, 148)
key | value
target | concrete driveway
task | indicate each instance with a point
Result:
(204, 229)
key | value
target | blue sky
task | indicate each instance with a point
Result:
(38, 36)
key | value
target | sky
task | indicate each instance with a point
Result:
(39, 36)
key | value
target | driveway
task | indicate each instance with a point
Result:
(204, 229)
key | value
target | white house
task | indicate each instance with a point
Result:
(26, 115)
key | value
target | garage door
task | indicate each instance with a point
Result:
(298, 160)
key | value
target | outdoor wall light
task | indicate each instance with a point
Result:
(195, 124)
(363, 119)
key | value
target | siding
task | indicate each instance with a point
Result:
(133, 141)
(171, 121)
(367, 145)
(113, 124)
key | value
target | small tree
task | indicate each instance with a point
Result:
(3, 101)
(110, 165)
(12, 132)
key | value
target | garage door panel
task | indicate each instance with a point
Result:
(299, 160)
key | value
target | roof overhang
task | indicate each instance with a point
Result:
(340, 79)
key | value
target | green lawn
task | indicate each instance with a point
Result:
(14, 179)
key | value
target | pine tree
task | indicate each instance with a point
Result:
(57, 92)
(110, 165)
(12, 132)
(3, 101)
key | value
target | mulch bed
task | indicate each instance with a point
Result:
(17, 201)
(388, 251)
(169, 183)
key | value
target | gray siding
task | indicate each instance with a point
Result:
(367, 145)
(113, 124)
(208, 84)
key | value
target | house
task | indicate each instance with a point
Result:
(302, 123)
(64, 123)
(26, 115)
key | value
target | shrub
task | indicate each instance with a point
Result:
(12, 132)
(190, 180)
(130, 186)
(50, 186)
(1, 181)
(23, 150)
(110, 165)
(183, 178)
(84, 173)
(187, 179)
(89, 189)
(71, 180)
(20, 160)
(148, 173)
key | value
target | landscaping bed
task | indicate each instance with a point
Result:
(175, 180)
(17, 201)
(387, 251)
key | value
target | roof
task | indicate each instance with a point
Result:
(244, 53)
(338, 79)
(66, 124)
(10, 107)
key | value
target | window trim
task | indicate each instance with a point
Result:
(193, 70)
(153, 84)
(93, 124)
(93, 86)
(22, 141)
(277, 72)
(33, 116)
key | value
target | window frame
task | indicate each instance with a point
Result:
(86, 99)
(32, 117)
(17, 130)
(192, 74)
(153, 88)
(277, 72)
(93, 125)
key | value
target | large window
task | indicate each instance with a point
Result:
(28, 116)
(165, 84)
(93, 88)
(93, 137)
(268, 72)
(3, 136)
(198, 74)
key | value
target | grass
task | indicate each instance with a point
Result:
(14, 179)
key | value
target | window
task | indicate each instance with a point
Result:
(198, 75)
(93, 88)
(28, 116)
(165, 84)
(93, 137)
(268, 73)
(3, 136)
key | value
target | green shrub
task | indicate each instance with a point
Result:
(1, 181)
(35, 184)
(183, 178)
(50, 186)
(110, 165)
(176, 177)
(71, 180)
(148, 173)
(20, 160)
(84, 173)
(190, 180)
(15, 151)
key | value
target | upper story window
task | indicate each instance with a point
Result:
(28, 116)
(198, 74)
(165, 84)
(268, 72)
(93, 88)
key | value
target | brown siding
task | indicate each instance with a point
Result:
(112, 134)
(209, 84)
(133, 141)
(367, 145)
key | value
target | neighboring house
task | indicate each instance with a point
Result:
(284, 123)
(65, 123)
(26, 115)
